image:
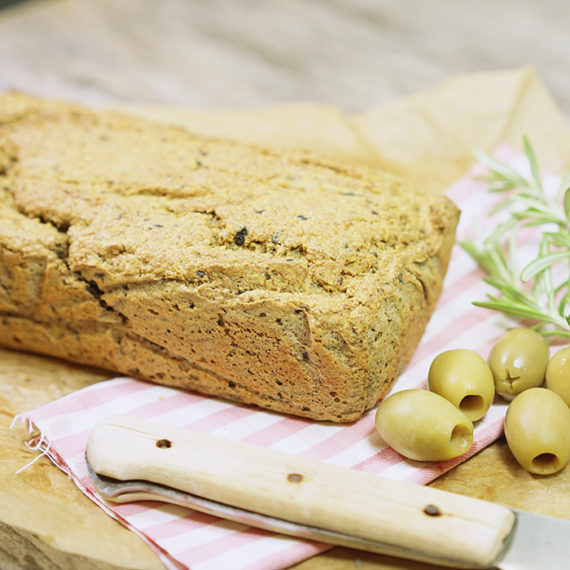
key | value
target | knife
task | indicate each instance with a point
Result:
(130, 460)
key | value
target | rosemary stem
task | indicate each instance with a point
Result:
(527, 205)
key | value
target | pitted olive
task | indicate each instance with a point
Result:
(424, 426)
(465, 379)
(537, 429)
(558, 374)
(518, 361)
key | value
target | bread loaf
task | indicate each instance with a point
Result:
(275, 279)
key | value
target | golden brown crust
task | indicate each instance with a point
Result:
(276, 279)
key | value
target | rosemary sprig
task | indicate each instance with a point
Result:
(539, 293)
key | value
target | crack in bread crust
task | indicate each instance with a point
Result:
(280, 280)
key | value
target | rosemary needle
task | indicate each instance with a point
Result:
(539, 292)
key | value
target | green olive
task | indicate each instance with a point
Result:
(423, 426)
(465, 379)
(558, 374)
(537, 429)
(518, 361)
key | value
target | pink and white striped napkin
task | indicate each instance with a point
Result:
(187, 539)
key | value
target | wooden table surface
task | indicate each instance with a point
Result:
(244, 54)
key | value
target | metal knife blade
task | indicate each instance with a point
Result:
(537, 541)
(130, 459)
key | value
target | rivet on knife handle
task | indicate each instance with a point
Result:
(401, 519)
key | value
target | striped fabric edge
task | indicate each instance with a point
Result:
(183, 540)
(47, 449)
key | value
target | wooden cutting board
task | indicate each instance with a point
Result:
(46, 523)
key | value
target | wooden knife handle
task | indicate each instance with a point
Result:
(410, 520)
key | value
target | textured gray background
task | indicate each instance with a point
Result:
(245, 53)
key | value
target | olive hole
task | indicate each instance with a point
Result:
(546, 463)
(471, 403)
(459, 435)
